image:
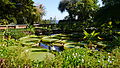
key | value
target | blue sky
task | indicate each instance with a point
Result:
(51, 9)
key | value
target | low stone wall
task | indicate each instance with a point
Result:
(12, 26)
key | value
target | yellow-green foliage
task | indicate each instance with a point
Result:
(84, 58)
(14, 57)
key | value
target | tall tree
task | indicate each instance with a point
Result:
(112, 2)
(109, 12)
(18, 11)
(79, 9)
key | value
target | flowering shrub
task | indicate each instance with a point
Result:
(85, 58)
(71, 58)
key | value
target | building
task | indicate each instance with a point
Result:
(18, 26)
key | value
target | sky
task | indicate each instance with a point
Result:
(51, 9)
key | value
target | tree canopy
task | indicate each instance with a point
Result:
(19, 11)
(81, 10)
(109, 11)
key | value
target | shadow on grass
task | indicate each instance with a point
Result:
(39, 50)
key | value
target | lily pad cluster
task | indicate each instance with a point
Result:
(29, 40)
(61, 40)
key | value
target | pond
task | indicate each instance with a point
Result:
(60, 42)
(55, 48)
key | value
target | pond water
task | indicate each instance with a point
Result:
(55, 48)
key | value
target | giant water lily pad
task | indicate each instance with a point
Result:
(67, 41)
(29, 36)
(118, 33)
(63, 41)
(33, 36)
(55, 35)
(72, 45)
(63, 35)
(46, 37)
(58, 35)
(29, 40)
(68, 46)
(65, 38)
(49, 40)
(81, 43)
(57, 44)
(39, 54)
(58, 41)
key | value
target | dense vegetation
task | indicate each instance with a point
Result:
(20, 12)
(89, 37)
(82, 10)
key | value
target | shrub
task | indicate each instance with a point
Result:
(90, 58)
(13, 58)
(116, 54)
(16, 33)
(83, 58)
(10, 42)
